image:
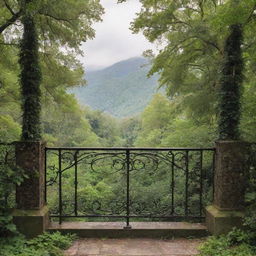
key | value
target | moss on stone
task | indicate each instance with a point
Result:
(221, 222)
(31, 222)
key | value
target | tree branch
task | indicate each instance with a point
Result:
(9, 7)
(10, 21)
(201, 8)
(209, 43)
(55, 18)
(252, 15)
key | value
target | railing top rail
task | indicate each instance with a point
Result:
(130, 149)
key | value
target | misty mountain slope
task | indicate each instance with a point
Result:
(121, 90)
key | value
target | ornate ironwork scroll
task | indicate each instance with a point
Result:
(128, 182)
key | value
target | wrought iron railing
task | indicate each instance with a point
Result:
(129, 183)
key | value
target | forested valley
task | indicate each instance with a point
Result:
(188, 119)
(205, 75)
(186, 114)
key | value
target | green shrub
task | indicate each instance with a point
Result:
(235, 243)
(10, 177)
(44, 245)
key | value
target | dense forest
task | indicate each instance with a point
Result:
(205, 72)
(186, 116)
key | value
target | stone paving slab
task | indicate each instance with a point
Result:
(121, 225)
(137, 230)
(134, 247)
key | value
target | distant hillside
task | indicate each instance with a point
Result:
(121, 90)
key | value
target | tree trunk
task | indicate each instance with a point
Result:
(30, 79)
(231, 82)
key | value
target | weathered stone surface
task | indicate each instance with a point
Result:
(139, 229)
(32, 215)
(134, 247)
(221, 222)
(31, 222)
(230, 179)
(230, 174)
(30, 157)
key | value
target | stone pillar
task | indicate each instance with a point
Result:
(231, 165)
(31, 215)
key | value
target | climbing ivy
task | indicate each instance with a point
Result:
(30, 79)
(230, 85)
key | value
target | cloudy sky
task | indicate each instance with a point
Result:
(114, 41)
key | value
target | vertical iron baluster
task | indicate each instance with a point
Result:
(173, 184)
(76, 182)
(128, 189)
(60, 189)
(201, 182)
(186, 184)
(45, 175)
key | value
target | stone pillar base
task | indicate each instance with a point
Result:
(221, 222)
(31, 223)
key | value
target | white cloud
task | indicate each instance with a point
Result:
(114, 41)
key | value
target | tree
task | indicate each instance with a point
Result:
(61, 27)
(130, 128)
(231, 84)
(165, 125)
(105, 127)
(30, 79)
(67, 126)
(190, 64)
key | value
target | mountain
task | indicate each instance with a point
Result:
(121, 90)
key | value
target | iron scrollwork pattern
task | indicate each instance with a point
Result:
(128, 182)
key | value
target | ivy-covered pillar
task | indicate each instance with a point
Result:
(31, 215)
(230, 180)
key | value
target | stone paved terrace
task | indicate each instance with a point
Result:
(134, 247)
